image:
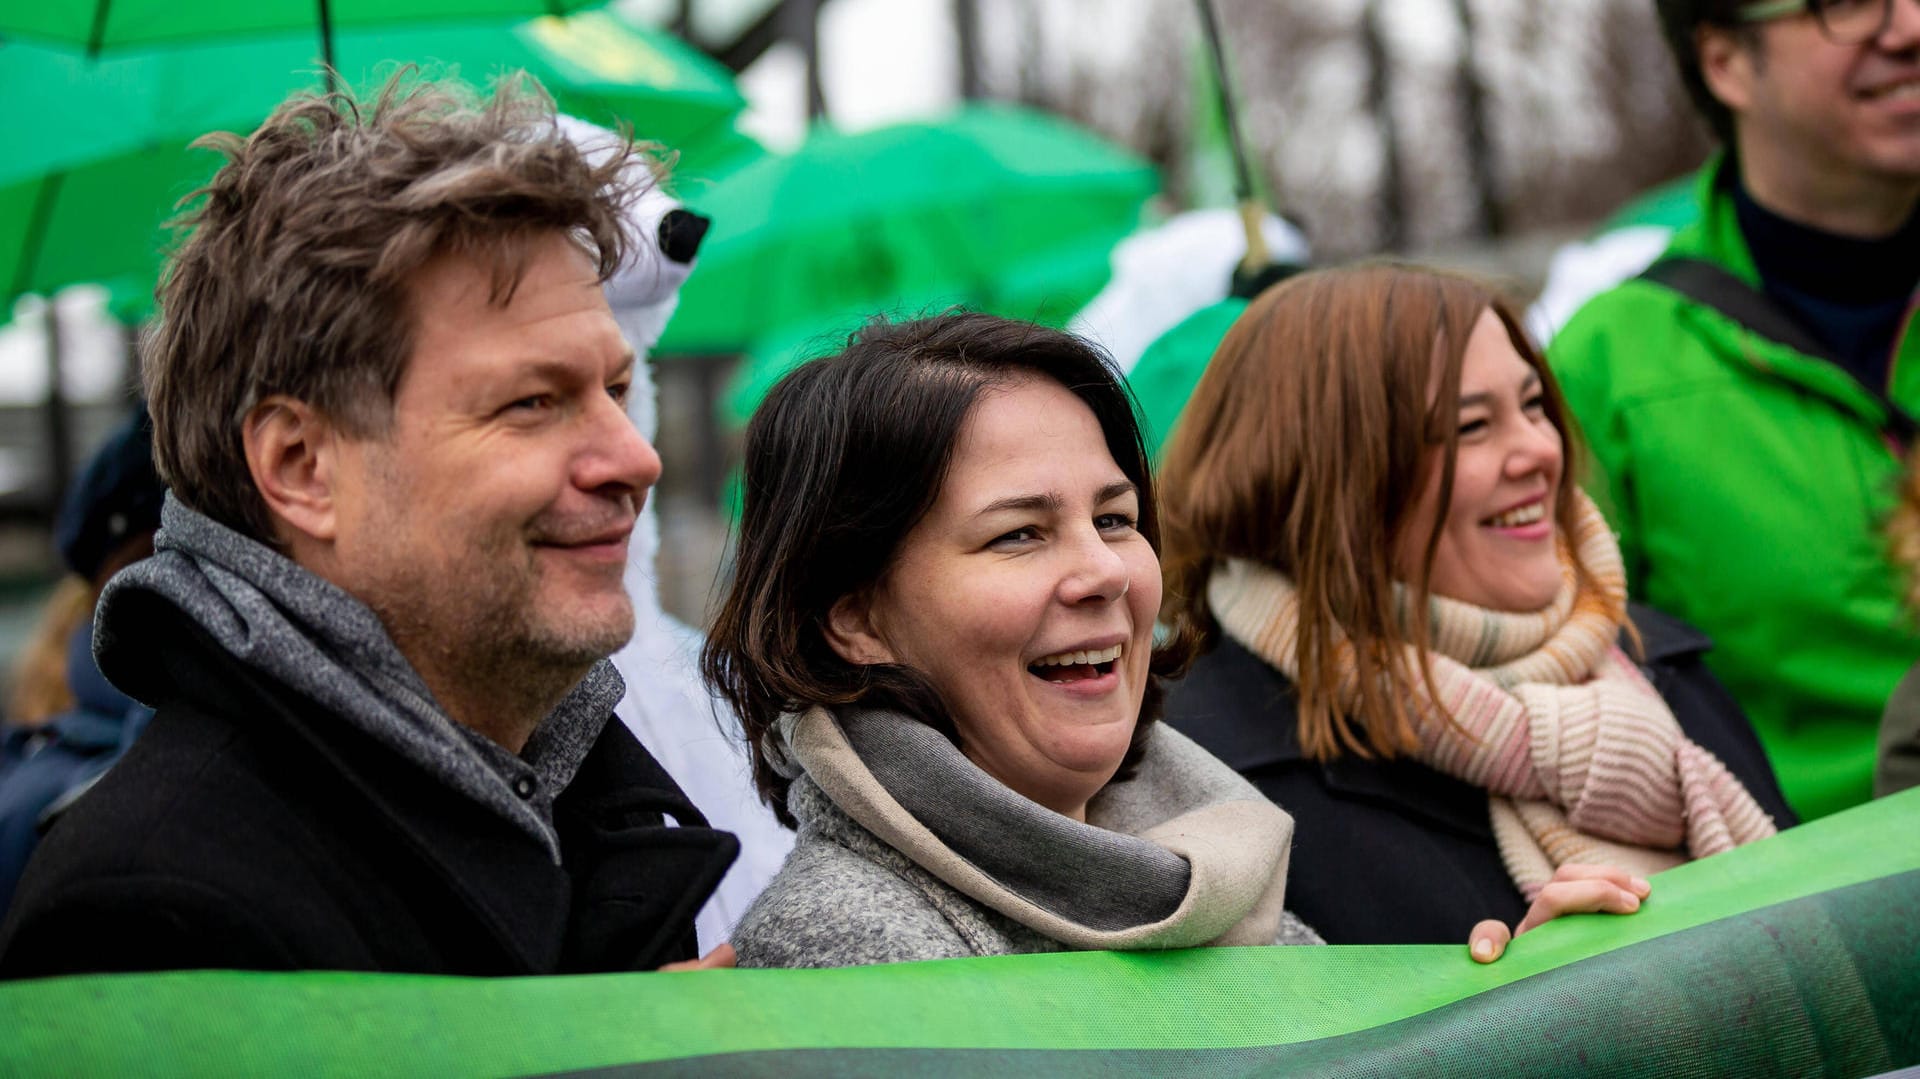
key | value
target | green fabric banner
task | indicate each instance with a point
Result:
(1798, 955)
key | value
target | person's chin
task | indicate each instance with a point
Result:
(595, 627)
(1098, 751)
(1538, 597)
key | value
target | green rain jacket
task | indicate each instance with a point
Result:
(1749, 483)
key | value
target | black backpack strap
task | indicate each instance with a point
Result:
(1710, 284)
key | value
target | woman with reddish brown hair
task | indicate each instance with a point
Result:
(1416, 621)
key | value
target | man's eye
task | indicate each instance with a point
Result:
(535, 403)
(619, 391)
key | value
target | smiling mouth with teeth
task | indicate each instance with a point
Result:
(1076, 666)
(1515, 518)
(1900, 89)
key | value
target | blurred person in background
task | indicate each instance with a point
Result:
(1898, 765)
(67, 724)
(389, 403)
(1747, 399)
(1418, 624)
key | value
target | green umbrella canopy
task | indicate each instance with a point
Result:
(100, 26)
(770, 359)
(597, 65)
(94, 169)
(1171, 367)
(1001, 208)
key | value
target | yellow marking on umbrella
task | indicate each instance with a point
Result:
(601, 44)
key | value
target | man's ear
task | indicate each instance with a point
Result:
(292, 454)
(851, 632)
(1727, 65)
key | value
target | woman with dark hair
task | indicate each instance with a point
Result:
(940, 642)
(1417, 619)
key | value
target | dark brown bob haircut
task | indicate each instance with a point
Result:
(842, 460)
(293, 274)
(1303, 449)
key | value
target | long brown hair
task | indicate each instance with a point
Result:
(40, 690)
(1304, 449)
(42, 685)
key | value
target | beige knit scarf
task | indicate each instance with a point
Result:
(1582, 760)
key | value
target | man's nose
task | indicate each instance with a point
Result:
(1902, 31)
(616, 454)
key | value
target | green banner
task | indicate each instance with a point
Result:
(1798, 955)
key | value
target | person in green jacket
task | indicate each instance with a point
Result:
(1749, 480)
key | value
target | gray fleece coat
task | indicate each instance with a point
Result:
(907, 851)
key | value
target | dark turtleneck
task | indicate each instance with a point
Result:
(1851, 293)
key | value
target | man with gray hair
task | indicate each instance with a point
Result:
(388, 398)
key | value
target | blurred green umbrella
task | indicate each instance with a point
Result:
(1171, 367)
(102, 26)
(1000, 208)
(771, 358)
(95, 167)
(598, 66)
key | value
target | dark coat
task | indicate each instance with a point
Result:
(250, 829)
(1393, 852)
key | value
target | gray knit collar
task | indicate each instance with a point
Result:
(311, 636)
(1125, 878)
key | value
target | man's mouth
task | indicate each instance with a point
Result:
(1076, 666)
(605, 549)
(600, 537)
(1892, 91)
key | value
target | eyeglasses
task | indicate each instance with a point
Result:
(1843, 22)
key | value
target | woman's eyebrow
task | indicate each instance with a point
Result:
(1040, 503)
(1114, 490)
(1485, 397)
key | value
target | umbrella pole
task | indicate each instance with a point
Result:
(58, 421)
(98, 32)
(1250, 209)
(325, 12)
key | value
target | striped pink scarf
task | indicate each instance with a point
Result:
(1581, 759)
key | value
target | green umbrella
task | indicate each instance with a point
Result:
(95, 167)
(1169, 369)
(1000, 208)
(771, 358)
(99, 26)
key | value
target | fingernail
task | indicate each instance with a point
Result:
(1633, 902)
(1642, 885)
(1483, 948)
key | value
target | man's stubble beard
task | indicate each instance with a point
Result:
(485, 637)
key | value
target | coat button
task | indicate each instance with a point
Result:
(523, 786)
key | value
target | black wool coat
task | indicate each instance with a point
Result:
(1394, 852)
(251, 829)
